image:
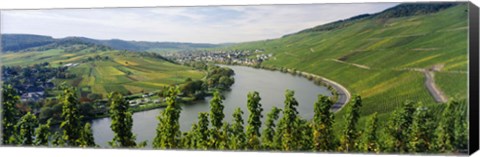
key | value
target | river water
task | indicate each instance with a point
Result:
(270, 84)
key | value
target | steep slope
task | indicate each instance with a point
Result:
(380, 57)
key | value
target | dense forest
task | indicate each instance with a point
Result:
(409, 129)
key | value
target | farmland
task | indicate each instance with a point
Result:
(376, 57)
(107, 71)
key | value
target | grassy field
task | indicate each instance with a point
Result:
(122, 71)
(374, 57)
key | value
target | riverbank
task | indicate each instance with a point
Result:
(340, 94)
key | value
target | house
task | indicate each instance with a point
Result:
(132, 102)
(32, 96)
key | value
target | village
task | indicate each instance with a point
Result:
(241, 57)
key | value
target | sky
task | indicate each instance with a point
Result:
(207, 24)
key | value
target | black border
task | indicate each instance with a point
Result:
(473, 79)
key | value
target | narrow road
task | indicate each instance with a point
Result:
(432, 87)
(353, 64)
(343, 94)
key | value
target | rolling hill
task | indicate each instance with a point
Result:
(23, 42)
(101, 70)
(382, 57)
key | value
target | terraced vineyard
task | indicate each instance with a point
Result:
(111, 70)
(378, 58)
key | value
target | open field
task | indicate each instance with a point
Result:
(108, 71)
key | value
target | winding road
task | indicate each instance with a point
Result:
(343, 94)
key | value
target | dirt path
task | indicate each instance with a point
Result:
(437, 94)
(353, 64)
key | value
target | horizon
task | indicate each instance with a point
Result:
(210, 24)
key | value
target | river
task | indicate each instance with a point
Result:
(270, 84)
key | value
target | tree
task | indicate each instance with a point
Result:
(461, 127)
(237, 138)
(121, 121)
(202, 131)
(254, 121)
(422, 134)
(370, 141)
(216, 118)
(323, 124)
(225, 133)
(42, 134)
(445, 134)
(168, 130)
(350, 133)
(399, 127)
(269, 131)
(289, 123)
(86, 138)
(26, 126)
(71, 124)
(216, 110)
(9, 113)
(58, 140)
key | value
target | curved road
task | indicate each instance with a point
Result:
(343, 94)
(433, 89)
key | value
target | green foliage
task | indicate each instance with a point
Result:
(26, 127)
(269, 132)
(86, 138)
(220, 77)
(168, 130)
(42, 134)
(370, 141)
(9, 113)
(445, 135)
(399, 127)
(289, 124)
(216, 110)
(350, 132)
(322, 124)
(71, 124)
(254, 121)
(202, 131)
(224, 137)
(237, 137)
(121, 122)
(57, 140)
(216, 118)
(422, 134)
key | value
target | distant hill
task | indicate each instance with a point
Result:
(19, 42)
(16, 42)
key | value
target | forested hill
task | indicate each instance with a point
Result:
(16, 42)
(19, 42)
(401, 10)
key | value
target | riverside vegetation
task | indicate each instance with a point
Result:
(408, 130)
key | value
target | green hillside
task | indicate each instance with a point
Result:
(102, 71)
(378, 56)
